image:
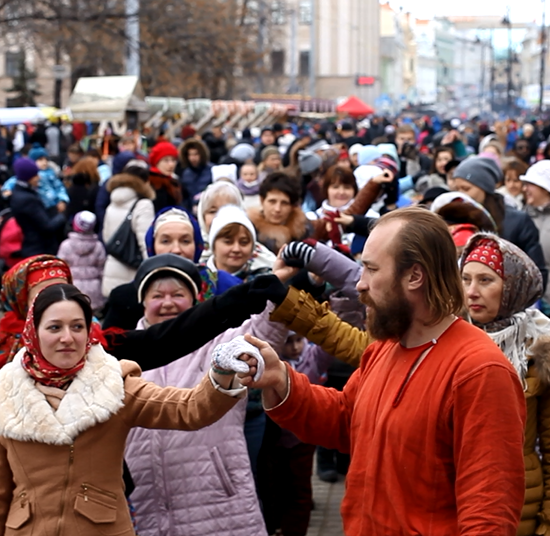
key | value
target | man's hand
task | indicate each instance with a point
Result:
(61, 206)
(274, 380)
(282, 270)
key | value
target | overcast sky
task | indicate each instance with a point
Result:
(520, 11)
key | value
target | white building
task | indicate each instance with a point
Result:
(426, 64)
(346, 45)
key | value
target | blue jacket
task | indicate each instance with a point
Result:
(50, 188)
(193, 182)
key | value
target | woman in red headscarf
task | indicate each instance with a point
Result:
(20, 285)
(67, 408)
(501, 284)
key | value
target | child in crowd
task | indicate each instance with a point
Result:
(51, 190)
(85, 255)
(249, 186)
(287, 498)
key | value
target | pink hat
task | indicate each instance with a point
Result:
(84, 222)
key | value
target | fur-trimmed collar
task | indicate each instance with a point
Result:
(539, 351)
(143, 189)
(93, 397)
(275, 236)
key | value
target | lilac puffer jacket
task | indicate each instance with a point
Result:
(198, 483)
(85, 255)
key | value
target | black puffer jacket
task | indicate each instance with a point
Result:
(40, 231)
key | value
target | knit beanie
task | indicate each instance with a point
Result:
(308, 161)
(367, 154)
(162, 150)
(25, 169)
(224, 171)
(268, 151)
(481, 172)
(386, 163)
(37, 152)
(120, 161)
(388, 149)
(242, 152)
(227, 215)
(84, 222)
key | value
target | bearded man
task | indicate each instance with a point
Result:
(434, 417)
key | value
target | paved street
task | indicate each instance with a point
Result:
(325, 519)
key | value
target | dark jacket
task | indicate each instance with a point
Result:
(194, 180)
(102, 201)
(164, 197)
(40, 231)
(82, 195)
(216, 146)
(520, 229)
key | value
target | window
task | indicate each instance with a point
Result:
(278, 12)
(251, 14)
(305, 12)
(13, 63)
(277, 62)
(304, 63)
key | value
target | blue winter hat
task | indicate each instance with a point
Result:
(367, 154)
(120, 161)
(25, 169)
(197, 236)
(37, 152)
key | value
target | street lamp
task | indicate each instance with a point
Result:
(507, 22)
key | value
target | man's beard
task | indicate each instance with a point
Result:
(389, 320)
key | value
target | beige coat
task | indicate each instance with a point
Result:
(125, 191)
(61, 470)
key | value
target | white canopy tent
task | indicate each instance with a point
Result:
(16, 116)
(107, 98)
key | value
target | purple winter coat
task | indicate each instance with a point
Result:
(85, 255)
(198, 483)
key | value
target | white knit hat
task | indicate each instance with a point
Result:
(227, 215)
(225, 171)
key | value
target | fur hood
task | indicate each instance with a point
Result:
(199, 145)
(275, 236)
(539, 352)
(93, 397)
(457, 212)
(142, 189)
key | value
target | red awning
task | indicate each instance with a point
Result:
(354, 107)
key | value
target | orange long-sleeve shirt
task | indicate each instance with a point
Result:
(439, 453)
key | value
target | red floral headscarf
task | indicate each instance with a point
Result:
(39, 368)
(16, 284)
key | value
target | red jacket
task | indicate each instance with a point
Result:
(439, 454)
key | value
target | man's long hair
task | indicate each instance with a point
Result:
(425, 240)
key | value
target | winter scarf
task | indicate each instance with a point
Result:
(16, 284)
(159, 181)
(516, 327)
(249, 188)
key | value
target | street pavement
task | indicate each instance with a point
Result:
(325, 518)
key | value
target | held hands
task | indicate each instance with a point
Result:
(274, 375)
(386, 176)
(282, 269)
(234, 356)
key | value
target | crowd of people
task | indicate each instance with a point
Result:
(186, 331)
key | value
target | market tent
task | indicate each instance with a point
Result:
(354, 107)
(15, 116)
(106, 98)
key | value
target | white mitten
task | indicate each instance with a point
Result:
(225, 357)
